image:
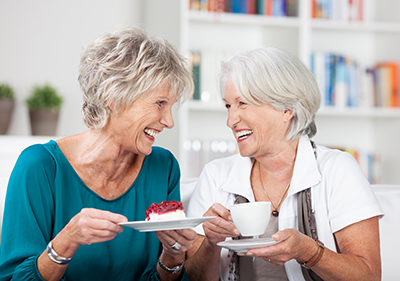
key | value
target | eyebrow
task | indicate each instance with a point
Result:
(236, 99)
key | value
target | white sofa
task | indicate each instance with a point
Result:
(388, 196)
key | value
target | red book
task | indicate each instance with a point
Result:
(268, 7)
(251, 7)
(314, 9)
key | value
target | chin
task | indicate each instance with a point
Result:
(148, 151)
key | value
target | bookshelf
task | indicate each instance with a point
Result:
(375, 39)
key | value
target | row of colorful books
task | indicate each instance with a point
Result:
(277, 8)
(345, 82)
(338, 9)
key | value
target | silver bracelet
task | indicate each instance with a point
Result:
(54, 256)
(173, 270)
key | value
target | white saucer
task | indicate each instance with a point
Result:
(145, 226)
(243, 245)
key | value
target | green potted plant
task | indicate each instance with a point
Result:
(7, 100)
(44, 105)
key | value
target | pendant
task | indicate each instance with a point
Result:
(275, 213)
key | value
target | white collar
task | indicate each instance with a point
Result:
(305, 172)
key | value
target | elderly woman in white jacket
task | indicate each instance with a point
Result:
(272, 99)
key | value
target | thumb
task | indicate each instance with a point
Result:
(281, 235)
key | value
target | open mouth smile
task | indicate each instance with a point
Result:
(243, 134)
(151, 133)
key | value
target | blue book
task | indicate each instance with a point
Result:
(327, 90)
(353, 84)
(236, 6)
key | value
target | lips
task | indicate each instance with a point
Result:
(151, 133)
(243, 134)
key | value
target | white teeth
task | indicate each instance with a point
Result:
(151, 132)
(244, 133)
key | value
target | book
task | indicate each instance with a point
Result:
(341, 82)
(292, 8)
(261, 7)
(195, 64)
(194, 4)
(268, 7)
(388, 84)
(251, 7)
(279, 8)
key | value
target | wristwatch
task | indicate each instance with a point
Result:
(54, 256)
(173, 270)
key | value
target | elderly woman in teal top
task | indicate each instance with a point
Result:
(65, 198)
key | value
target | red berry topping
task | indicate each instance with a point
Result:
(163, 207)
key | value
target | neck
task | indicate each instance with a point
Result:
(279, 165)
(97, 156)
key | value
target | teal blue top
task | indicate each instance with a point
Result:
(45, 192)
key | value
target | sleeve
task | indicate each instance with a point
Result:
(351, 198)
(203, 196)
(28, 213)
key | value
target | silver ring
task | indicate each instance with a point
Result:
(176, 246)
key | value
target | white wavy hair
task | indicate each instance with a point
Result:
(270, 75)
(122, 66)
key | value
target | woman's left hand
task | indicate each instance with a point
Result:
(177, 241)
(292, 245)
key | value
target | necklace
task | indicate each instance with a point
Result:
(275, 211)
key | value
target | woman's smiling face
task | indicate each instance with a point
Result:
(259, 130)
(137, 127)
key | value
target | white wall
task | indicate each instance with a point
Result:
(41, 41)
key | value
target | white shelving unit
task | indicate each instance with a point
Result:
(376, 38)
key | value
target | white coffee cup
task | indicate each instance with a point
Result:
(251, 218)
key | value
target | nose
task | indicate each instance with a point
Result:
(167, 120)
(233, 118)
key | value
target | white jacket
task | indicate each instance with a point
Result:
(341, 194)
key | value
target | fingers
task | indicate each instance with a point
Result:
(218, 210)
(289, 247)
(218, 229)
(100, 224)
(105, 215)
(177, 241)
(94, 226)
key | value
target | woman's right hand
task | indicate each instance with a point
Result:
(218, 229)
(87, 227)
(91, 226)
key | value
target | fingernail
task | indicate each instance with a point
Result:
(241, 254)
(236, 231)
(230, 218)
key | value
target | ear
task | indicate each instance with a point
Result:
(287, 115)
(111, 106)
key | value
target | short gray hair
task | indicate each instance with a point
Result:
(270, 75)
(124, 65)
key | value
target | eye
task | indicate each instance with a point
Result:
(242, 103)
(160, 103)
(227, 106)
